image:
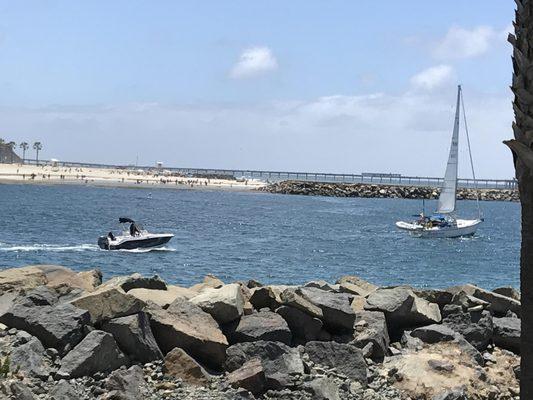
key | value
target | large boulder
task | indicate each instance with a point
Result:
(126, 384)
(136, 281)
(403, 308)
(508, 291)
(163, 298)
(336, 310)
(97, 352)
(264, 325)
(439, 296)
(499, 304)
(304, 328)
(507, 333)
(178, 364)
(108, 302)
(251, 376)
(225, 304)
(209, 282)
(289, 297)
(134, 336)
(279, 361)
(345, 358)
(29, 359)
(323, 285)
(322, 388)
(476, 327)
(187, 326)
(30, 277)
(60, 326)
(371, 327)
(263, 297)
(356, 285)
(434, 333)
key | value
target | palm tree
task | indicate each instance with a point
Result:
(12, 146)
(24, 146)
(37, 146)
(522, 148)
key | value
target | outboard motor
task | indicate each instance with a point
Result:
(103, 242)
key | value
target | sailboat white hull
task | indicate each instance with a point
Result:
(464, 227)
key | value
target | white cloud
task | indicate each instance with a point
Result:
(461, 43)
(407, 133)
(433, 77)
(254, 61)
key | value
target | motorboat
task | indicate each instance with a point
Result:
(133, 238)
(444, 223)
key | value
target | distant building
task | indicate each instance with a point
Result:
(159, 164)
(8, 156)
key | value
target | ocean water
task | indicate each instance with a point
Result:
(245, 235)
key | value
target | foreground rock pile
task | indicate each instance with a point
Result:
(382, 191)
(67, 335)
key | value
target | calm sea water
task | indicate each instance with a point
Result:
(243, 235)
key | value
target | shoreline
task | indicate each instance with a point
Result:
(69, 332)
(100, 177)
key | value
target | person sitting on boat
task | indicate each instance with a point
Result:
(111, 236)
(134, 229)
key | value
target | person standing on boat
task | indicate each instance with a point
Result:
(134, 229)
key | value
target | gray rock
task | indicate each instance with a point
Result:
(29, 359)
(125, 384)
(134, 336)
(371, 327)
(137, 281)
(403, 308)
(63, 390)
(289, 297)
(225, 304)
(59, 326)
(279, 361)
(187, 326)
(304, 328)
(322, 388)
(264, 297)
(40, 296)
(498, 304)
(323, 285)
(476, 328)
(507, 333)
(356, 285)
(97, 352)
(347, 359)
(16, 390)
(508, 291)
(410, 342)
(264, 325)
(336, 310)
(251, 376)
(438, 296)
(434, 333)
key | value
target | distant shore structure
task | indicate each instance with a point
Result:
(276, 176)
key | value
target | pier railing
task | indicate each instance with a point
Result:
(275, 176)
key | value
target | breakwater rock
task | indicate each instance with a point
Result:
(383, 191)
(68, 335)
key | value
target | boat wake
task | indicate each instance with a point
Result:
(48, 247)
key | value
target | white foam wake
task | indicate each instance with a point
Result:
(48, 247)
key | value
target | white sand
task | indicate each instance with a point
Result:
(47, 174)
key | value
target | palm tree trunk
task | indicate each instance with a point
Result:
(522, 147)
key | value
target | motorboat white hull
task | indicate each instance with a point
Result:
(144, 240)
(463, 227)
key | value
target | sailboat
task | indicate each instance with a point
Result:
(444, 223)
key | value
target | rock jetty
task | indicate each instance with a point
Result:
(68, 335)
(382, 191)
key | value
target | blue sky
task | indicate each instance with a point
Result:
(344, 86)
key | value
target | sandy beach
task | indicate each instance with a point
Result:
(48, 174)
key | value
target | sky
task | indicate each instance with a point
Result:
(300, 85)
